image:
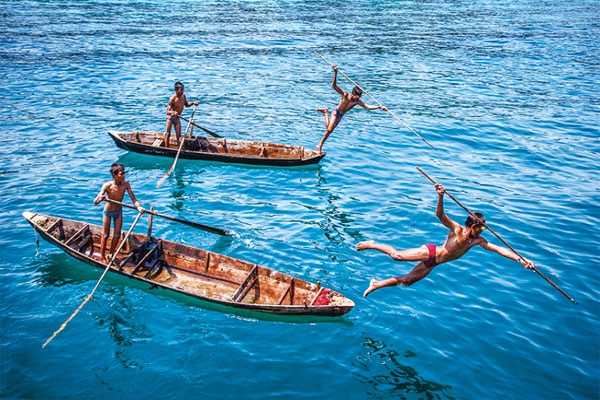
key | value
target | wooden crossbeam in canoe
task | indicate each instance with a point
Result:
(250, 282)
(289, 290)
(146, 256)
(54, 225)
(77, 235)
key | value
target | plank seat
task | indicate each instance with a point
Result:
(250, 282)
(156, 267)
(289, 290)
(54, 225)
(77, 234)
(86, 241)
(57, 224)
(157, 248)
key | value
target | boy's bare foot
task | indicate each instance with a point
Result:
(372, 286)
(364, 245)
(323, 110)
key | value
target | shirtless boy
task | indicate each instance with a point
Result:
(174, 110)
(114, 190)
(458, 242)
(347, 102)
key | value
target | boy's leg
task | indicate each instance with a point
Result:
(416, 254)
(168, 132)
(325, 112)
(419, 272)
(330, 125)
(104, 238)
(178, 131)
(117, 234)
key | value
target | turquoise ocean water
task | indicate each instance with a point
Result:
(507, 92)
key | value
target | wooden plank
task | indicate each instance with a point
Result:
(76, 235)
(248, 284)
(146, 256)
(289, 290)
(282, 297)
(85, 240)
(54, 225)
(318, 293)
(152, 268)
(58, 223)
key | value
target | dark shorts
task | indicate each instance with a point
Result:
(430, 262)
(113, 214)
(174, 119)
(339, 114)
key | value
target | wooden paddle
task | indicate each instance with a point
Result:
(164, 178)
(181, 221)
(204, 129)
(375, 100)
(89, 296)
(498, 236)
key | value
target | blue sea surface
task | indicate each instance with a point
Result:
(506, 92)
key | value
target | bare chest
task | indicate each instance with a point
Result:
(116, 191)
(177, 103)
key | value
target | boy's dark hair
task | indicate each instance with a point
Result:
(473, 221)
(357, 91)
(116, 167)
(178, 85)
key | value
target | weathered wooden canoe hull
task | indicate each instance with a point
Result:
(194, 272)
(218, 150)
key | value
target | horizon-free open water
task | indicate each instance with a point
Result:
(506, 92)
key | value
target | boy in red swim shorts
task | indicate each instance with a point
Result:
(458, 242)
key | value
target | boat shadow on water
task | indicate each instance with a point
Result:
(58, 270)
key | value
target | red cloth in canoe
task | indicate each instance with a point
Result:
(323, 298)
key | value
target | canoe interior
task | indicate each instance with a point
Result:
(221, 146)
(196, 272)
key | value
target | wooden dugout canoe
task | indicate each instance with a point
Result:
(217, 149)
(195, 272)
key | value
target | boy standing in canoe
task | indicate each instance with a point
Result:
(347, 102)
(174, 110)
(114, 190)
(458, 242)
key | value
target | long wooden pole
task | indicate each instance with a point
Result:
(89, 296)
(207, 228)
(376, 101)
(499, 237)
(164, 178)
